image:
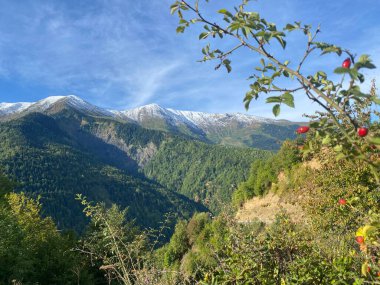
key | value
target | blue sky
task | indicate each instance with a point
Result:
(120, 54)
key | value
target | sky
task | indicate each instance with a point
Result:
(121, 54)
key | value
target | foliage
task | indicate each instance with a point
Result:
(338, 199)
(114, 243)
(347, 111)
(208, 174)
(284, 253)
(193, 249)
(264, 173)
(56, 158)
(342, 102)
(319, 249)
(32, 250)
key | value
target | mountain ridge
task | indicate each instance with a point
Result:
(195, 117)
(234, 129)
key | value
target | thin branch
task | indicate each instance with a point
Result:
(286, 90)
(224, 55)
(309, 49)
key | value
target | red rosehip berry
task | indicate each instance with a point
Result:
(303, 129)
(346, 63)
(359, 239)
(362, 132)
(342, 201)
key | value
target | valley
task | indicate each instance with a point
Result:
(63, 146)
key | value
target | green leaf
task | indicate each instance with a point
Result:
(276, 110)
(364, 269)
(338, 148)
(376, 100)
(314, 125)
(289, 27)
(173, 8)
(327, 48)
(361, 77)
(180, 29)
(246, 31)
(248, 98)
(326, 140)
(225, 12)
(341, 70)
(227, 63)
(340, 156)
(281, 41)
(364, 62)
(203, 35)
(375, 140)
(288, 99)
(274, 99)
(353, 73)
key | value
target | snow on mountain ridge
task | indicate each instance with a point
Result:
(46, 103)
(207, 118)
(151, 111)
(190, 118)
(10, 108)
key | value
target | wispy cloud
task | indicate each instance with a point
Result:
(99, 49)
(123, 53)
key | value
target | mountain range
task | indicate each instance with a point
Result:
(153, 160)
(234, 129)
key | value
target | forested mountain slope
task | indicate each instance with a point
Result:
(234, 129)
(66, 150)
(205, 173)
(56, 158)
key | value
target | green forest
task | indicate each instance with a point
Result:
(206, 248)
(87, 198)
(205, 173)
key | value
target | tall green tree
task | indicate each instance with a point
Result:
(31, 248)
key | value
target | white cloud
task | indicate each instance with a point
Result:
(123, 53)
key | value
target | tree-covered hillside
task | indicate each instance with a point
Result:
(48, 160)
(69, 152)
(202, 172)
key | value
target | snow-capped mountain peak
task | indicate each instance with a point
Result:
(199, 120)
(49, 103)
(72, 100)
(46, 103)
(11, 108)
(191, 118)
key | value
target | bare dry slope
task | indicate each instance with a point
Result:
(266, 208)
